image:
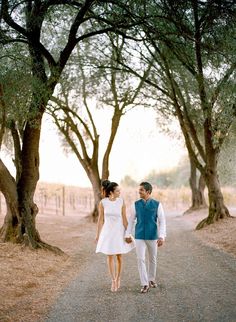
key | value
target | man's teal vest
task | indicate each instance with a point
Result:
(146, 214)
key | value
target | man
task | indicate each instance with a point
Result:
(150, 232)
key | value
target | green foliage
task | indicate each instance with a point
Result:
(174, 178)
(227, 159)
(92, 80)
(15, 81)
(192, 46)
(128, 181)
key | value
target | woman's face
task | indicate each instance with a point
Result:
(116, 192)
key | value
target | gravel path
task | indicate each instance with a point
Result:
(196, 283)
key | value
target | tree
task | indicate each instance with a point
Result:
(216, 102)
(72, 111)
(14, 79)
(196, 182)
(191, 44)
(25, 22)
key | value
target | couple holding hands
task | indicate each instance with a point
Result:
(114, 232)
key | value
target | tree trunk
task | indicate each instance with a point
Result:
(10, 229)
(28, 181)
(97, 199)
(2, 115)
(96, 185)
(114, 128)
(19, 223)
(217, 208)
(201, 188)
(197, 191)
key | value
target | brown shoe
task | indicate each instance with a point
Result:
(152, 284)
(145, 289)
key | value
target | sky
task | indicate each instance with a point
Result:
(139, 148)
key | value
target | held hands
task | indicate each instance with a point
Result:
(128, 240)
(160, 242)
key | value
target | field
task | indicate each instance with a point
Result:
(31, 280)
(61, 200)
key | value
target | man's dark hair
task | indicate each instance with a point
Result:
(147, 186)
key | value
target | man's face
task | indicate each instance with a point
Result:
(143, 193)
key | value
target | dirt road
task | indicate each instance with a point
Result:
(195, 283)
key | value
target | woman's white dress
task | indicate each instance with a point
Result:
(111, 240)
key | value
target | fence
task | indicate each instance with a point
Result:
(55, 199)
(61, 200)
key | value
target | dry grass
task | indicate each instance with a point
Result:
(31, 280)
(25, 275)
(221, 234)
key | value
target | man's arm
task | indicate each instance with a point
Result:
(162, 224)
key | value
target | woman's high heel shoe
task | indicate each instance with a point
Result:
(113, 286)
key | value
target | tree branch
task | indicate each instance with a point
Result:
(17, 150)
(86, 104)
(68, 111)
(67, 136)
(221, 83)
(72, 40)
(140, 85)
(8, 19)
(3, 115)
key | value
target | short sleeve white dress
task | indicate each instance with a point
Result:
(111, 240)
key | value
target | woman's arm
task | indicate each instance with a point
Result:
(131, 222)
(100, 219)
(124, 217)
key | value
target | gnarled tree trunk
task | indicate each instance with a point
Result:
(201, 188)
(197, 189)
(217, 208)
(28, 181)
(97, 199)
(19, 223)
(95, 180)
(10, 229)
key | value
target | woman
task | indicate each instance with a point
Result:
(112, 223)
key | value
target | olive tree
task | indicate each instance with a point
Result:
(26, 22)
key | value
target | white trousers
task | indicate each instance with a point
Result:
(148, 273)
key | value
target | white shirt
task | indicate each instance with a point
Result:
(161, 221)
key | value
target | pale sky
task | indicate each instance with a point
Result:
(138, 149)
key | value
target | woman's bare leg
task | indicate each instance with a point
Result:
(119, 269)
(111, 268)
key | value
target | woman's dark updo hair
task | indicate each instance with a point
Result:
(110, 188)
(105, 184)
